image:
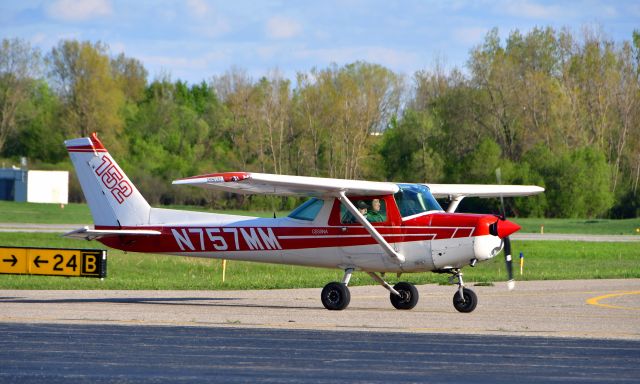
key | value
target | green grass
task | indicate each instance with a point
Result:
(12, 212)
(543, 261)
(582, 226)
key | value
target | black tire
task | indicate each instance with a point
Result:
(335, 296)
(409, 295)
(469, 303)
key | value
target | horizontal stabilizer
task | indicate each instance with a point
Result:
(92, 234)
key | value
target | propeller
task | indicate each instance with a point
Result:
(511, 283)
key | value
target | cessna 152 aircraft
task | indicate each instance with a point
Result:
(374, 227)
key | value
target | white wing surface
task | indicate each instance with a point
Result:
(283, 185)
(482, 190)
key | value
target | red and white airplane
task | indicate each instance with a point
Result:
(374, 227)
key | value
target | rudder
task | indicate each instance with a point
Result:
(113, 199)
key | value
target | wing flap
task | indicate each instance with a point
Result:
(285, 185)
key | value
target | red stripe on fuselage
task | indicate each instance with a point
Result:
(230, 239)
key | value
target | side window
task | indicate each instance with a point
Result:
(375, 210)
(308, 210)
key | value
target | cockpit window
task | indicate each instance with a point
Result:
(414, 199)
(308, 210)
(374, 210)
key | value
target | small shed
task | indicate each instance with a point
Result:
(34, 186)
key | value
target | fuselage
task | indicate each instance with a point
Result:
(429, 240)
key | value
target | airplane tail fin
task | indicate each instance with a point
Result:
(113, 199)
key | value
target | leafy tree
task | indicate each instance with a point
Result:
(19, 65)
(409, 149)
(131, 77)
(91, 96)
(578, 184)
(39, 137)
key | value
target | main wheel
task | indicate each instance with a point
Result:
(468, 304)
(408, 296)
(335, 296)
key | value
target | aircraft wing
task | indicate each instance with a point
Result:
(283, 185)
(482, 190)
(457, 192)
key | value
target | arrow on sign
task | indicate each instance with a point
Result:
(37, 261)
(13, 260)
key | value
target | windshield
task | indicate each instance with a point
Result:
(414, 199)
(308, 210)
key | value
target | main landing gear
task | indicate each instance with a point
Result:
(336, 296)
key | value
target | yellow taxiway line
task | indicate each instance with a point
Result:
(596, 300)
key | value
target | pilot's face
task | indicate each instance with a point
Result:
(375, 204)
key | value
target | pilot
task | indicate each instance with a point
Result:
(363, 207)
(375, 215)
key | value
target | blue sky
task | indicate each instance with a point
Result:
(194, 40)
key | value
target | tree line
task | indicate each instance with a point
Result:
(546, 107)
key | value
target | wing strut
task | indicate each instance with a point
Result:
(367, 225)
(455, 200)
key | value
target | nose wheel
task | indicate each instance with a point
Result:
(464, 300)
(467, 303)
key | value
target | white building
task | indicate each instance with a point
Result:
(34, 186)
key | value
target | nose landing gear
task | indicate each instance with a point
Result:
(464, 300)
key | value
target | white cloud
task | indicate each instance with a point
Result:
(470, 36)
(175, 62)
(279, 27)
(393, 59)
(215, 28)
(70, 10)
(198, 8)
(118, 47)
(267, 52)
(207, 21)
(530, 9)
(38, 38)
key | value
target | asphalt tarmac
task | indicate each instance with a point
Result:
(595, 309)
(543, 331)
(63, 353)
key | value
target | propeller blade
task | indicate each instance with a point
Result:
(509, 263)
(507, 241)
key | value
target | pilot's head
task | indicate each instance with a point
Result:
(362, 207)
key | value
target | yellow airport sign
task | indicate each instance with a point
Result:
(53, 261)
